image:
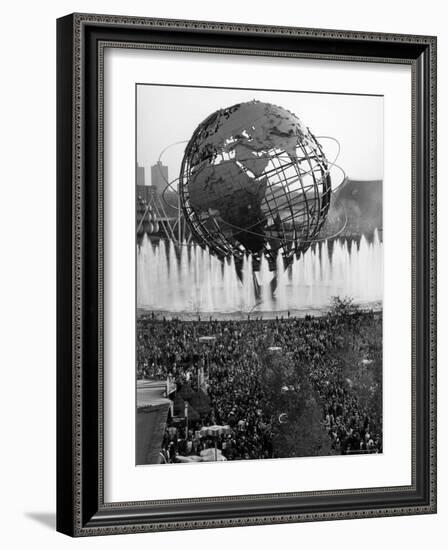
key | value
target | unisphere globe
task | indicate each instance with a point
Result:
(254, 179)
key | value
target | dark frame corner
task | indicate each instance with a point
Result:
(81, 510)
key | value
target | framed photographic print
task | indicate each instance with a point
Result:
(246, 274)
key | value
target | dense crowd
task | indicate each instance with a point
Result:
(233, 361)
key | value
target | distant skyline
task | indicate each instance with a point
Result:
(167, 115)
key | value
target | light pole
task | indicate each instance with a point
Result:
(206, 340)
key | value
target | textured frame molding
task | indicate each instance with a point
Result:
(81, 42)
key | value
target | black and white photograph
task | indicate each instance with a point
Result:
(220, 265)
(259, 274)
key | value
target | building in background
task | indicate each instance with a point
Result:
(159, 181)
(140, 175)
(146, 218)
(145, 192)
(159, 177)
(158, 209)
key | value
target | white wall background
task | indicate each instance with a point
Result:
(27, 289)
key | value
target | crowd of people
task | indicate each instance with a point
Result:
(233, 360)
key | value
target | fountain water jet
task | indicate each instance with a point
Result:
(191, 280)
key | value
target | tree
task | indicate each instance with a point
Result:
(291, 404)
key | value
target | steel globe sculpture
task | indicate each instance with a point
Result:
(254, 180)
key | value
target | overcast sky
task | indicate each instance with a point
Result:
(170, 114)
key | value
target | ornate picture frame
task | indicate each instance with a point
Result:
(81, 42)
